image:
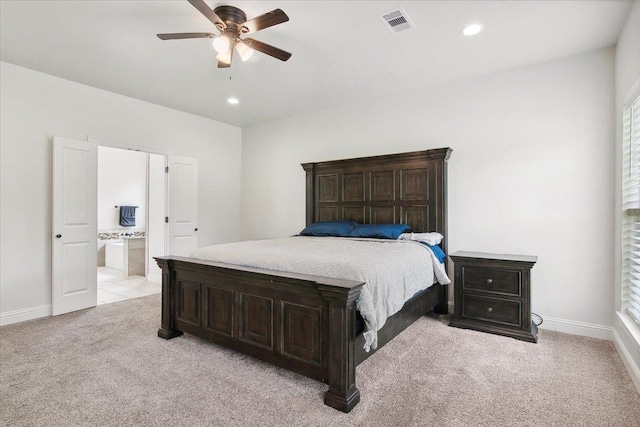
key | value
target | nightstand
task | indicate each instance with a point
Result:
(493, 294)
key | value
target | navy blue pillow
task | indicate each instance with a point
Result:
(380, 231)
(437, 250)
(329, 228)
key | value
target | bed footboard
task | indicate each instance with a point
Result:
(299, 322)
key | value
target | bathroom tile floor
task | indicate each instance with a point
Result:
(114, 286)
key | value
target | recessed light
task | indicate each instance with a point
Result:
(472, 29)
(233, 100)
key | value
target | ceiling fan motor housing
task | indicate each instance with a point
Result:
(233, 19)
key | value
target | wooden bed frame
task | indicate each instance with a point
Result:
(304, 323)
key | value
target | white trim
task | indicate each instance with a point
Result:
(633, 93)
(123, 146)
(631, 327)
(578, 328)
(571, 327)
(15, 316)
(626, 339)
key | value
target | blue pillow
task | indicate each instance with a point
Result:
(379, 231)
(439, 253)
(329, 228)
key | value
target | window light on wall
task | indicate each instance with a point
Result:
(631, 210)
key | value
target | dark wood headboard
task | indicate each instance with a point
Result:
(408, 188)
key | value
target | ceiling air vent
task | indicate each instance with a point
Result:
(396, 20)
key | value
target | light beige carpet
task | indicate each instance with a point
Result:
(106, 367)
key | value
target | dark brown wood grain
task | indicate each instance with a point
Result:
(407, 188)
(493, 294)
(306, 323)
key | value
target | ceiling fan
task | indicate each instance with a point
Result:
(232, 22)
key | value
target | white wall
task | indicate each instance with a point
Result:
(531, 171)
(122, 180)
(35, 107)
(627, 65)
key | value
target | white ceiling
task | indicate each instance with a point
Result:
(341, 51)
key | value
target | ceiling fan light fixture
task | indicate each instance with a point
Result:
(232, 23)
(221, 44)
(224, 57)
(244, 51)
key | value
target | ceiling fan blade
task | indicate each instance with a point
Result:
(267, 49)
(267, 20)
(223, 65)
(208, 13)
(175, 36)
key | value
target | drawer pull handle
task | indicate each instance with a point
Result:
(489, 281)
(490, 310)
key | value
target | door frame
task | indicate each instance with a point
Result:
(134, 147)
(149, 150)
(140, 148)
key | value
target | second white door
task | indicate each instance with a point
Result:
(183, 205)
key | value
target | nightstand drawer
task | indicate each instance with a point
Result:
(493, 310)
(498, 281)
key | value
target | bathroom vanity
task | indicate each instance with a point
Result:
(127, 255)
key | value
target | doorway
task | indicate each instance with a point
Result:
(75, 218)
(131, 228)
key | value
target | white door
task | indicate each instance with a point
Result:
(156, 213)
(74, 228)
(183, 205)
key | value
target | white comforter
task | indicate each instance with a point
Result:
(393, 270)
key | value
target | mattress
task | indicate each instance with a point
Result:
(393, 270)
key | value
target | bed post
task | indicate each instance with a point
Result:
(343, 394)
(166, 330)
(442, 307)
(309, 168)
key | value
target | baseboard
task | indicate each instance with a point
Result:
(571, 327)
(627, 343)
(15, 316)
(625, 337)
(578, 328)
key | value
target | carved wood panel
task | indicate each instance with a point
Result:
(301, 326)
(219, 310)
(256, 320)
(382, 186)
(353, 213)
(416, 217)
(382, 215)
(328, 213)
(414, 184)
(328, 188)
(188, 304)
(353, 187)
